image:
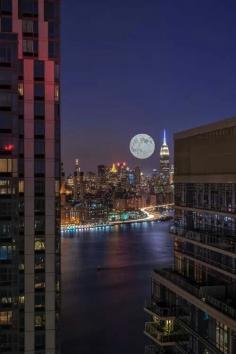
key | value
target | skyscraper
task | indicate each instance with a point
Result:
(29, 176)
(165, 160)
(193, 305)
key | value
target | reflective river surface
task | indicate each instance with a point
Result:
(102, 311)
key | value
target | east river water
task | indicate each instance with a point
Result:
(102, 311)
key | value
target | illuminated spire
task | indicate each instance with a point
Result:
(164, 137)
(113, 169)
(164, 148)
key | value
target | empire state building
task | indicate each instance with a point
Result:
(165, 160)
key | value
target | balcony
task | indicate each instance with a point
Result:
(164, 337)
(213, 240)
(198, 290)
(160, 309)
(218, 265)
(208, 293)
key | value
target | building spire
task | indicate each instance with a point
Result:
(164, 137)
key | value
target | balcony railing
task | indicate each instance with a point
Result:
(160, 309)
(209, 293)
(206, 207)
(224, 242)
(222, 306)
(158, 334)
(209, 260)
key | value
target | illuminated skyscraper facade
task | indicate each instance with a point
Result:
(165, 160)
(193, 306)
(29, 176)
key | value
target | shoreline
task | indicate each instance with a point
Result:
(65, 228)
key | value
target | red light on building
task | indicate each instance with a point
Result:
(9, 147)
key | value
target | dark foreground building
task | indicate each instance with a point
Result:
(29, 176)
(193, 305)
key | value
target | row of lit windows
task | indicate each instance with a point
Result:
(6, 187)
(6, 298)
(39, 92)
(6, 165)
(6, 318)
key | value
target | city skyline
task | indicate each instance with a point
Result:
(135, 161)
(140, 67)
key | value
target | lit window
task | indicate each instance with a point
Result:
(222, 337)
(56, 93)
(21, 186)
(5, 187)
(39, 245)
(21, 89)
(5, 165)
(21, 299)
(21, 266)
(39, 285)
(57, 187)
(6, 300)
(5, 318)
(39, 320)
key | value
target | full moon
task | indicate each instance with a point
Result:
(142, 146)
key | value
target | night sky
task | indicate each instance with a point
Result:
(133, 66)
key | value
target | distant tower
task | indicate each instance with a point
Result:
(77, 166)
(165, 159)
(102, 173)
(76, 178)
(81, 183)
(63, 186)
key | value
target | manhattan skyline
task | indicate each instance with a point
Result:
(139, 67)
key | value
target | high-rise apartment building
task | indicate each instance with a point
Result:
(193, 304)
(29, 176)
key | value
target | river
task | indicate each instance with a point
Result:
(102, 311)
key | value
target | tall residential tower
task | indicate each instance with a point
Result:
(29, 176)
(193, 304)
